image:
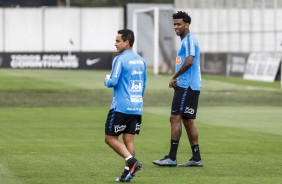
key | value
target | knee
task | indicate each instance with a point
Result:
(175, 119)
(171, 119)
(107, 140)
(128, 139)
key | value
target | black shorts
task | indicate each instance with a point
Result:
(185, 102)
(118, 123)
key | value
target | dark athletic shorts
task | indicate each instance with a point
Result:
(118, 123)
(185, 102)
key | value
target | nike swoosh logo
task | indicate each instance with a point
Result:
(92, 61)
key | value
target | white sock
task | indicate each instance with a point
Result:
(127, 158)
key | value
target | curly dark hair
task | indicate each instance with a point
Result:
(182, 15)
(127, 34)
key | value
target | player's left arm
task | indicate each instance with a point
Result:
(115, 74)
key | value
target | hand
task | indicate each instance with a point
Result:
(172, 83)
(107, 77)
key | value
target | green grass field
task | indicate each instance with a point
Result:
(52, 130)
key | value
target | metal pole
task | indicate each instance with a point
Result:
(80, 29)
(68, 3)
(262, 25)
(43, 29)
(156, 41)
(240, 25)
(228, 27)
(3, 29)
(251, 24)
(275, 26)
(218, 10)
(211, 23)
(134, 25)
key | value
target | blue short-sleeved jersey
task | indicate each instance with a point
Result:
(192, 77)
(128, 78)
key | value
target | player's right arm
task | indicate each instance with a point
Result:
(189, 46)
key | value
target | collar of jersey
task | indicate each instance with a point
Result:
(126, 51)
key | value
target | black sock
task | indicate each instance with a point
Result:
(196, 152)
(173, 149)
(131, 161)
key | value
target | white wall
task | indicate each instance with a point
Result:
(22, 29)
(94, 29)
(54, 29)
(221, 30)
(99, 28)
(234, 29)
(61, 26)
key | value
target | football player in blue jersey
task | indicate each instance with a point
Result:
(186, 83)
(128, 80)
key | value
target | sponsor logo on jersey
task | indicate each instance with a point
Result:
(189, 110)
(119, 128)
(135, 72)
(136, 85)
(134, 109)
(135, 62)
(136, 99)
(178, 60)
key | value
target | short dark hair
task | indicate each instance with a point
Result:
(182, 15)
(127, 34)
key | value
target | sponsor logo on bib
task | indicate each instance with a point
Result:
(178, 60)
